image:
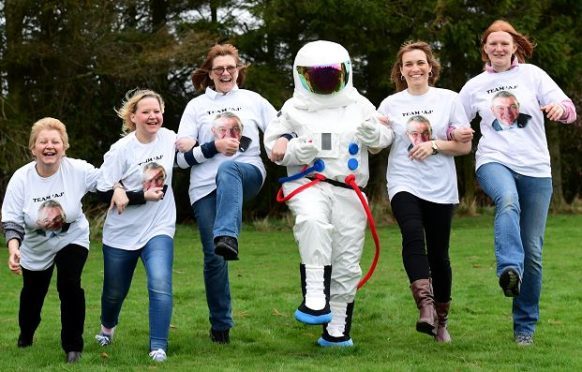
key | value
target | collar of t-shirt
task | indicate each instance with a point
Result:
(514, 63)
(212, 94)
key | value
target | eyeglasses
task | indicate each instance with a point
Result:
(233, 132)
(220, 69)
(325, 79)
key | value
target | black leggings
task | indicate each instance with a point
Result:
(418, 219)
(69, 262)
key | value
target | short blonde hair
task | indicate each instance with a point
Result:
(129, 106)
(48, 124)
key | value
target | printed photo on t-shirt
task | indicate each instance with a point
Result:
(154, 175)
(51, 218)
(505, 108)
(418, 130)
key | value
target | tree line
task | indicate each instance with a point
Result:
(75, 59)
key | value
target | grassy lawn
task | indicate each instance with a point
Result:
(265, 289)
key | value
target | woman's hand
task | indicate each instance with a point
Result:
(154, 194)
(463, 135)
(185, 144)
(421, 151)
(119, 200)
(554, 111)
(14, 257)
(279, 149)
(227, 146)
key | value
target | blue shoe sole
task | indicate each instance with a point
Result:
(312, 319)
(325, 343)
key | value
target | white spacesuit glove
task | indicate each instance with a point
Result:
(368, 133)
(302, 150)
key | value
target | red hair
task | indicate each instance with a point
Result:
(524, 46)
(201, 78)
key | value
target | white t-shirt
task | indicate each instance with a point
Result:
(254, 111)
(523, 149)
(30, 199)
(433, 179)
(126, 161)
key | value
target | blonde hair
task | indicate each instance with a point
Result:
(48, 124)
(524, 46)
(409, 46)
(129, 106)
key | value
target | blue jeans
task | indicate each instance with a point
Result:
(220, 214)
(521, 210)
(119, 265)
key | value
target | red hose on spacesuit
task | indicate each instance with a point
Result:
(351, 181)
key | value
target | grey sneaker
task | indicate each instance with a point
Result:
(524, 340)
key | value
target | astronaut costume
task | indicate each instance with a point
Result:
(327, 121)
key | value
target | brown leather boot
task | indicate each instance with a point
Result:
(442, 310)
(422, 293)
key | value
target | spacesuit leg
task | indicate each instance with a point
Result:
(312, 232)
(348, 243)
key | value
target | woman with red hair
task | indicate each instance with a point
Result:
(513, 166)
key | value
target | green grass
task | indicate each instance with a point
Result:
(265, 290)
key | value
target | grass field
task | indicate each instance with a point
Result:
(265, 289)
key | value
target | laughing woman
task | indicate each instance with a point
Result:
(422, 181)
(227, 169)
(143, 226)
(45, 227)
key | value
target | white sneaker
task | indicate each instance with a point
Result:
(103, 339)
(158, 355)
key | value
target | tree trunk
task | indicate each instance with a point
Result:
(14, 11)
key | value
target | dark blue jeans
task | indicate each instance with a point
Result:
(521, 211)
(157, 257)
(220, 214)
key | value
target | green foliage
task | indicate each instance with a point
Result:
(75, 61)
(266, 291)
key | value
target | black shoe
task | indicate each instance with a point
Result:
(220, 337)
(73, 356)
(226, 247)
(509, 282)
(24, 341)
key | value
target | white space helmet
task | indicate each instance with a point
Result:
(322, 68)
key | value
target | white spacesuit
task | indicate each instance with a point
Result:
(327, 121)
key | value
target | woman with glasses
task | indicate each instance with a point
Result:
(45, 227)
(422, 181)
(226, 168)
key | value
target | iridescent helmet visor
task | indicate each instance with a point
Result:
(325, 79)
